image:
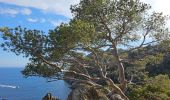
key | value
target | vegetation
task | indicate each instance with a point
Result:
(105, 45)
(157, 88)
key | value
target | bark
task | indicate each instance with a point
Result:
(122, 78)
(116, 89)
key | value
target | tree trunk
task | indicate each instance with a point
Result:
(122, 79)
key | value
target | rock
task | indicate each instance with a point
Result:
(102, 82)
(116, 97)
(49, 96)
(86, 92)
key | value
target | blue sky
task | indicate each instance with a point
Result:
(39, 14)
(43, 15)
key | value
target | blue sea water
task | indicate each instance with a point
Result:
(13, 86)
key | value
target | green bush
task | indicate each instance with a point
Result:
(154, 88)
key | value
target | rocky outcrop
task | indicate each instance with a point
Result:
(49, 96)
(86, 92)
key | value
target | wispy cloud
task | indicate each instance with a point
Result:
(15, 11)
(33, 20)
(60, 7)
(26, 11)
(36, 20)
(8, 11)
(44, 20)
(57, 22)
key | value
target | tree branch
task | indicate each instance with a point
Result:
(49, 63)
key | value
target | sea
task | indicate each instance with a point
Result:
(13, 86)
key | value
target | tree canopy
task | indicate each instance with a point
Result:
(85, 49)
